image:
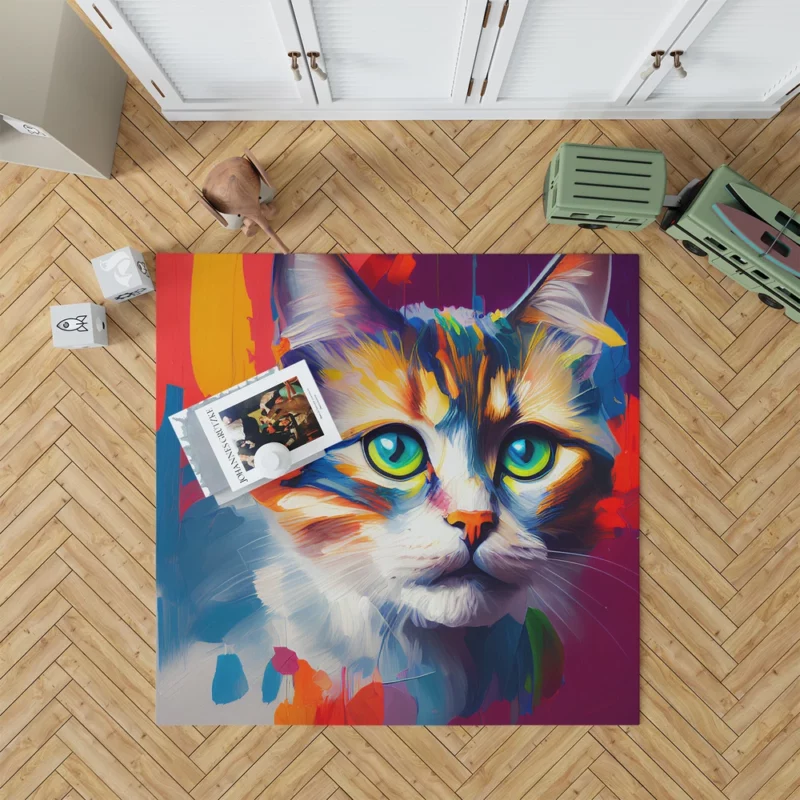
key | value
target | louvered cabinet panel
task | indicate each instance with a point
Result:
(391, 52)
(207, 53)
(579, 50)
(748, 51)
(458, 59)
(211, 55)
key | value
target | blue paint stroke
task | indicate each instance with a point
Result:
(188, 475)
(168, 478)
(612, 366)
(204, 588)
(271, 684)
(478, 304)
(230, 683)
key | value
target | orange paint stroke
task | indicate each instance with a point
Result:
(311, 703)
(219, 330)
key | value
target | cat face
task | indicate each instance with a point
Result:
(473, 444)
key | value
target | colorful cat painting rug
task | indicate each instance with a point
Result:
(468, 553)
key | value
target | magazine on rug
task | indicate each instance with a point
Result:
(284, 407)
(222, 435)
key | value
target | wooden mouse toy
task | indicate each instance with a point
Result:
(237, 192)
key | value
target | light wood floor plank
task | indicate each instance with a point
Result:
(85, 782)
(34, 736)
(31, 230)
(419, 161)
(496, 185)
(686, 738)
(391, 170)
(139, 111)
(108, 517)
(98, 724)
(33, 773)
(437, 143)
(12, 176)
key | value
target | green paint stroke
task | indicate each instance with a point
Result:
(547, 654)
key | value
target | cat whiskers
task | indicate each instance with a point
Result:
(580, 605)
(554, 612)
(595, 558)
(566, 563)
(399, 617)
(574, 586)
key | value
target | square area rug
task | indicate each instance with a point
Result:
(468, 553)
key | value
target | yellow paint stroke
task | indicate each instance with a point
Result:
(605, 333)
(219, 326)
(498, 408)
(434, 404)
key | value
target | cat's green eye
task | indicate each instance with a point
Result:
(527, 457)
(395, 451)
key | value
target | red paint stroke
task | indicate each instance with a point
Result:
(356, 260)
(374, 268)
(621, 509)
(257, 268)
(173, 309)
(626, 431)
(366, 707)
(396, 269)
(401, 269)
(310, 706)
(285, 661)
(189, 494)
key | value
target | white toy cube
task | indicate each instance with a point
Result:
(122, 274)
(78, 325)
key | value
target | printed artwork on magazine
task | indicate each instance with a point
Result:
(282, 414)
(283, 407)
(466, 553)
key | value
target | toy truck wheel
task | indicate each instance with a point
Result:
(693, 248)
(769, 301)
(592, 226)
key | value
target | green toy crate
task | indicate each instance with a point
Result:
(598, 187)
(703, 233)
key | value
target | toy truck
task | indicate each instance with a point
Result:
(743, 232)
(702, 231)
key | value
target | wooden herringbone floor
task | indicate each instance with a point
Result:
(720, 471)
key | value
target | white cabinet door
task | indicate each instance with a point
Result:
(391, 54)
(746, 51)
(562, 54)
(208, 54)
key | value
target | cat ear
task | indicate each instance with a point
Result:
(572, 295)
(319, 297)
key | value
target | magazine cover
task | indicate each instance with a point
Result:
(284, 407)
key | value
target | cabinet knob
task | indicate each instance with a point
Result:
(657, 56)
(321, 74)
(295, 66)
(676, 60)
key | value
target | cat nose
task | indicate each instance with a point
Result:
(477, 525)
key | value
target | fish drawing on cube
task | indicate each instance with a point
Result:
(122, 275)
(78, 325)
